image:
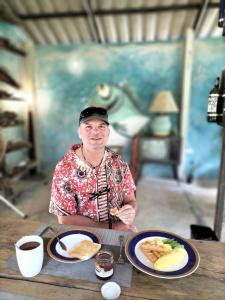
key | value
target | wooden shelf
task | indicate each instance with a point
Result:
(12, 99)
(17, 145)
(160, 161)
(9, 46)
(20, 171)
(6, 96)
(163, 150)
(14, 118)
(18, 123)
(8, 79)
(159, 137)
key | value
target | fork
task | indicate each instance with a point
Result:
(121, 259)
(62, 245)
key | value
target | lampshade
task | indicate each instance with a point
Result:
(163, 103)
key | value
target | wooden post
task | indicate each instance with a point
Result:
(218, 221)
(186, 88)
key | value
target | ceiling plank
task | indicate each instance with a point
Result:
(110, 26)
(50, 24)
(9, 8)
(164, 23)
(71, 31)
(210, 19)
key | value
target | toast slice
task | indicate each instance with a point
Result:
(84, 250)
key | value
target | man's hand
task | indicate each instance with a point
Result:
(126, 214)
(122, 227)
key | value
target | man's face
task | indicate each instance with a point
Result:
(94, 133)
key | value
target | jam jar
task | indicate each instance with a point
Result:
(104, 264)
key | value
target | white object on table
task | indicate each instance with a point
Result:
(110, 290)
(30, 261)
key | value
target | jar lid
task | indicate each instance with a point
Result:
(104, 254)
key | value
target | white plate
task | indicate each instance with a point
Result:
(138, 259)
(143, 259)
(70, 238)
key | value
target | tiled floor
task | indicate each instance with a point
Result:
(171, 205)
(163, 204)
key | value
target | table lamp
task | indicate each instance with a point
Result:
(162, 106)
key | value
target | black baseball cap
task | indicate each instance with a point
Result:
(93, 112)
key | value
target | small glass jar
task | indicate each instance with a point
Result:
(104, 264)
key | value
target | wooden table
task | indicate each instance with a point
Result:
(208, 282)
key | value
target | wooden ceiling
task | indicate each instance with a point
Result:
(72, 22)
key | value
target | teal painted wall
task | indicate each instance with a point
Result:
(66, 76)
(64, 87)
(205, 138)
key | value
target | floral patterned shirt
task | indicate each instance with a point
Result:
(82, 190)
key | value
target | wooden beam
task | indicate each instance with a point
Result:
(92, 21)
(104, 12)
(219, 214)
(201, 13)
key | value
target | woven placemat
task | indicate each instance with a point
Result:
(84, 270)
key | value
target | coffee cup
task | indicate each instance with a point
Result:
(30, 255)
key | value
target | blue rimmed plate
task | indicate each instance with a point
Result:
(70, 238)
(139, 260)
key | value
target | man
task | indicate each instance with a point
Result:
(91, 181)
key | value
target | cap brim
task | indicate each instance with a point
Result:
(92, 118)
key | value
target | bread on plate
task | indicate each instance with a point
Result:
(84, 250)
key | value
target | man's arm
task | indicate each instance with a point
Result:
(131, 200)
(85, 221)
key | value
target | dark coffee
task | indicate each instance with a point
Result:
(29, 245)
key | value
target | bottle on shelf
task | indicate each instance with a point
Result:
(221, 14)
(223, 101)
(215, 104)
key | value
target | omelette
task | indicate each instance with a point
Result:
(171, 261)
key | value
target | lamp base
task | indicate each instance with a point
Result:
(161, 125)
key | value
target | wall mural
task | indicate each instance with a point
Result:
(64, 88)
(124, 115)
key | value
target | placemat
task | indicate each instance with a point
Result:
(84, 270)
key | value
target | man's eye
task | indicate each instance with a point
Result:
(102, 126)
(88, 127)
